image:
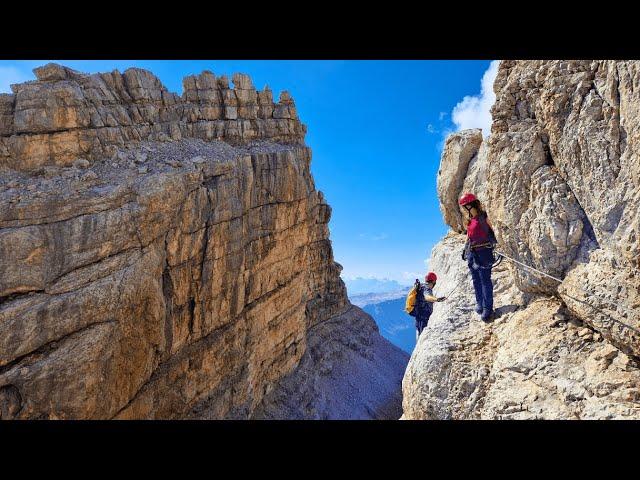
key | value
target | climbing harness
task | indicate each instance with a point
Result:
(481, 245)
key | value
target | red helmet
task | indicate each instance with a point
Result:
(467, 198)
(431, 277)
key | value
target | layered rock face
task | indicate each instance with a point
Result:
(560, 178)
(169, 257)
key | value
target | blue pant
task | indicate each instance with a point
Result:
(421, 324)
(480, 264)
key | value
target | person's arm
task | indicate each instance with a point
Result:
(492, 235)
(465, 250)
(432, 299)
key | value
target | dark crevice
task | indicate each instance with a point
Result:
(167, 291)
(15, 296)
(29, 222)
(48, 347)
(588, 241)
(588, 229)
(622, 144)
(211, 183)
(617, 86)
(61, 277)
(192, 313)
(201, 344)
(614, 216)
(10, 402)
(544, 139)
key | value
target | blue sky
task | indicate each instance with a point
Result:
(376, 129)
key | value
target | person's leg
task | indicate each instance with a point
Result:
(487, 291)
(477, 288)
(484, 258)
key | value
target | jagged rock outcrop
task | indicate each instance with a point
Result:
(169, 257)
(66, 114)
(460, 151)
(560, 177)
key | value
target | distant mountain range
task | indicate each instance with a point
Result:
(364, 299)
(359, 285)
(387, 309)
(394, 323)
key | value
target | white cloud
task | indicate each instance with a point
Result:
(413, 275)
(442, 115)
(474, 111)
(431, 129)
(9, 75)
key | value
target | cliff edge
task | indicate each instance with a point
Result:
(166, 256)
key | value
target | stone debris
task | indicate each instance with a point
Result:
(89, 176)
(140, 157)
(81, 163)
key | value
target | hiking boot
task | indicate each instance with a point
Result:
(486, 315)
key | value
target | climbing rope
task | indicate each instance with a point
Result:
(454, 289)
(530, 268)
(615, 307)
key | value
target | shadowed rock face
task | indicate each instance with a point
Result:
(560, 178)
(182, 269)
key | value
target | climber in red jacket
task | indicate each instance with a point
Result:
(478, 252)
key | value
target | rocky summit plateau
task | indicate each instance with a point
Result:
(560, 179)
(167, 256)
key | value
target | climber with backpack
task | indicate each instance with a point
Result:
(479, 253)
(420, 301)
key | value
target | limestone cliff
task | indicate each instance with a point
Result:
(166, 256)
(560, 178)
